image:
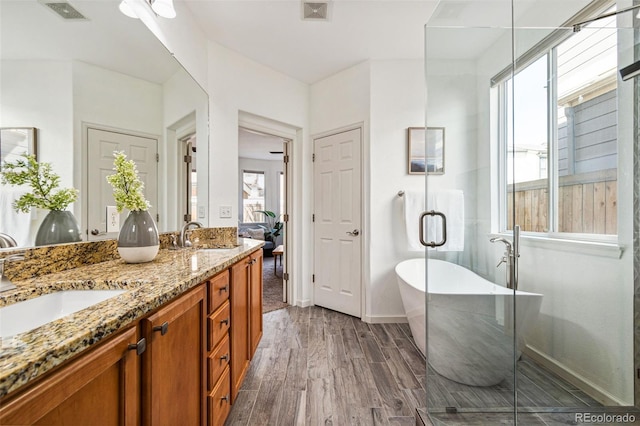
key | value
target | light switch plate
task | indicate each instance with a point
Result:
(225, 212)
(201, 212)
(113, 219)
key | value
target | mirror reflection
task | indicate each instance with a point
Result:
(95, 84)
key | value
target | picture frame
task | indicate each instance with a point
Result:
(16, 141)
(425, 150)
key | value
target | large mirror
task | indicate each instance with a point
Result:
(91, 86)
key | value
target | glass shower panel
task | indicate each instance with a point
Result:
(470, 309)
(577, 351)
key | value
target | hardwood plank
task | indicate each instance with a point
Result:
(296, 373)
(371, 349)
(392, 397)
(381, 334)
(400, 370)
(402, 421)
(416, 398)
(361, 327)
(257, 370)
(317, 362)
(335, 321)
(365, 383)
(319, 406)
(267, 405)
(336, 356)
(352, 346)
(549, 385)
(412, 356)
(316, 334)
(394, 330)
(316, 312)
(242, 407)
(293, 407)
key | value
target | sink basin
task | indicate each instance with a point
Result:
(24, 316)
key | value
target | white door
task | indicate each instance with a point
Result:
(338, 218)
(101, 145)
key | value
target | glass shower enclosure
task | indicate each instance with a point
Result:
(529, 220)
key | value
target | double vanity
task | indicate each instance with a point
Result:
(164, 342)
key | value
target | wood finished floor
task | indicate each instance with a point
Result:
(316, 366)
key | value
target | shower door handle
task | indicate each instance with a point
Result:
(444, 229)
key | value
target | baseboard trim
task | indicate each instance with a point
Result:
(588, 387)
(303, 303)
(385, 319)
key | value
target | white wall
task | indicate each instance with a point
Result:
(184, 101)
(38, 94)
(239, 85)
(337, 102)
(110, 99)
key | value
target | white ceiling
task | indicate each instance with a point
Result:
(30, 30)
(272, 32)
(257, 145)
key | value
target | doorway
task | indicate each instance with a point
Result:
(101, 144)
(263, 161)
(338, 220)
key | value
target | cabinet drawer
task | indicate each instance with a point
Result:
(219, 400)
(218, 324)
(218, 360)
(218, 290)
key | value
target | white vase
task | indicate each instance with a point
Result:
(138, 241)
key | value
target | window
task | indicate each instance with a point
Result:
(252, 196)
(558, 155)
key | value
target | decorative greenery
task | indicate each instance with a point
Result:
(43, 182)
(127, 186)
(275, 226)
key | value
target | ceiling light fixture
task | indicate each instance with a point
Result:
(163, 8)
(127, 9)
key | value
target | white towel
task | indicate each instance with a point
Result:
(451, 203)
(413, 207)
(16, 225)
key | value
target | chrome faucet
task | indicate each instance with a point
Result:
(510, 257)
(184, 238)
(5, 283)
(7, 241)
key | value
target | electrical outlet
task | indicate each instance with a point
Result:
(201, 212)
(225, 212)
(113, 219)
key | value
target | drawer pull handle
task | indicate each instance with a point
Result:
(225, 357)
(225, 288)
(140, 347)
(225, 398)
(162, 328)
(225, 321)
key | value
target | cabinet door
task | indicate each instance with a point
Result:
(255, 323)
(173, 376)
(239, 324)
(99, 388)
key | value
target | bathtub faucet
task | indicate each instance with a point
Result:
(511, 255)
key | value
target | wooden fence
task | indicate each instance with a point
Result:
(587, 203)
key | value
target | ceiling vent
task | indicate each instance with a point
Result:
(315, 11)
(65, 10)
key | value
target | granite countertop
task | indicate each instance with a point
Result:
(28, 355)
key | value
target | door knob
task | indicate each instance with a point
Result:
(95, 232)
(354, 233)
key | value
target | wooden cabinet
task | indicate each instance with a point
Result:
(255, 308)
(218, 360)
(239, 324)
(173, 372)
(246, 316)
(198, 348)
(101, 387)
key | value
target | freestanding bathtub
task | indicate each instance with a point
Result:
(470, 320)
